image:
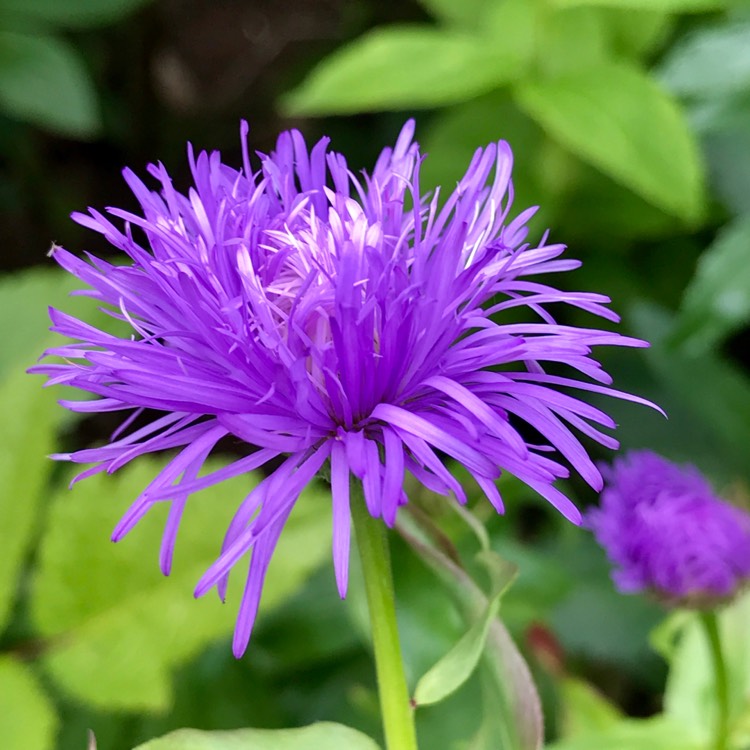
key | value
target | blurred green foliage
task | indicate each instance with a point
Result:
(43, 78)
(630, 124)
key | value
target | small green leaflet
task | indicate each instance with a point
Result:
(321, 736)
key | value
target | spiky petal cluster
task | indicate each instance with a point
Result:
(325, 317)
(667, 533)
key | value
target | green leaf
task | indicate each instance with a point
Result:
(512, 704)
(663, 638)
(690, 697)
(571, 39)
(27, 720)
(585, 709)
(452, 671)
(671, 6)
(615, 117)
(44, 81)
(717, 301)
(26, 439)
(25, 297)
(648, 734)
(637, 33)
(403, 67)
(320, 736)
(104, 604)
(75, 15)
(710, 62)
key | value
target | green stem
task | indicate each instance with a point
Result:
(711, 628)
(397, 712)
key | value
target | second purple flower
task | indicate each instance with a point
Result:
(324, 316)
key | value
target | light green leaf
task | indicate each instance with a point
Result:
(44, 81)
(452, 671)
(637, 33)
(25, 297)
(585, 709)
(515, 23)
(320, 736)
(403, 67)
(615, 117)
(717, 300)
(663, 638)
(690, 697)
(648, 734)
(671, 6)
(27, 720)
(117, 626)
(571, 39)
(26, 438)
(502, 572)
(77, 14)
(511, 702)
(710, 62)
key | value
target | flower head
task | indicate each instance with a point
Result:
(667, 533)
(323, 316)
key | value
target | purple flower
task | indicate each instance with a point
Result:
(667, 533)
(324, 316)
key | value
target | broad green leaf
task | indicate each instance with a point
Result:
(635, 32)
(26, 438)
(671, 6)
(321, 736)
(104, 604)
(710, 62)
(44, 81)
(570, 40)
(27, 719)
(459, 663)
(717, 301)
(632, 734)
(403, 67)
(690, 697)
(510, 697)
(514, 22)
(585, 709)
(71, 14)
(615, 117)
(25, 297)
(466, 13)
